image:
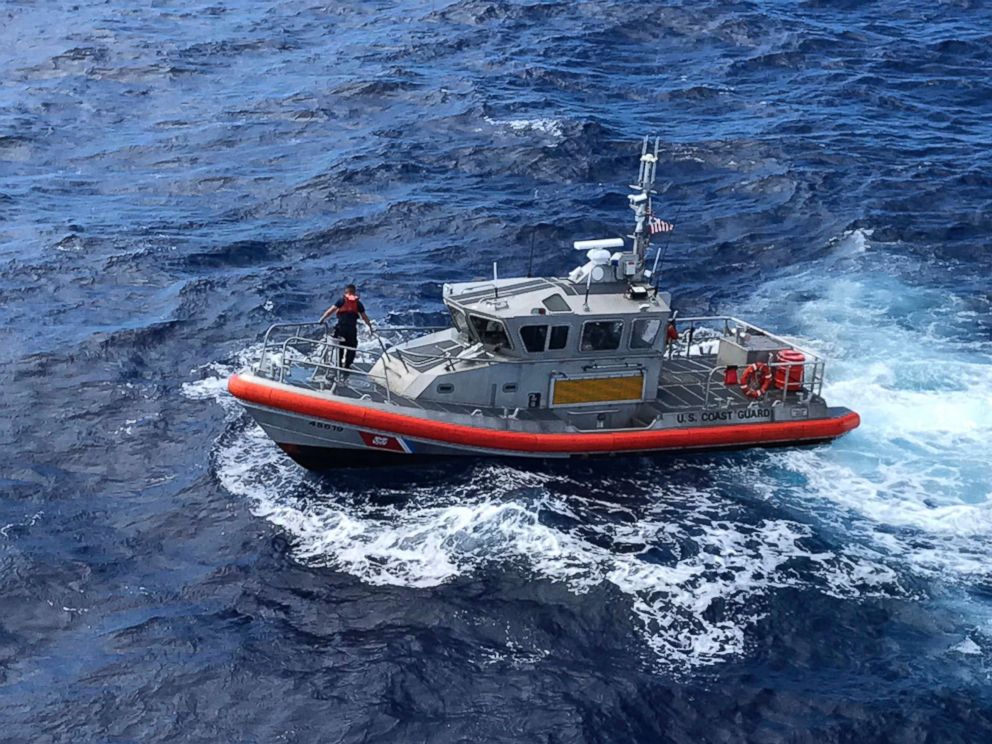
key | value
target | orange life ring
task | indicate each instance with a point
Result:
(763, 378)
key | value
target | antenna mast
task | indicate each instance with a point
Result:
(640, 201)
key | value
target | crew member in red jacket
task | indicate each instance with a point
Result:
(348, 310)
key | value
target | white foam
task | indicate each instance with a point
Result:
(502, 515)
(212, 379)
(967, 647)
(29, 522)
(916, 477)
(852, 243)
(549, 126)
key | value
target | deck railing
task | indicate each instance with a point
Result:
(694, 341)
(731, 326)
(308, 346)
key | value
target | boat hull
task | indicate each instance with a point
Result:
(320, 459)
(323, 432)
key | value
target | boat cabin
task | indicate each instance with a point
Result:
(539, 343)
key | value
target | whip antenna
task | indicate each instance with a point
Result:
(530, 261)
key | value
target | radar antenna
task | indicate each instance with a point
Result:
(602, 265)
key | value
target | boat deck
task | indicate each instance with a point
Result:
(686, 384)
(430, 355)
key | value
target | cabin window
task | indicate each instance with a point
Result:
(510, 387)
(446, 387)
(490, 332)
(459, 320)
(559, 337)
(534, 337)
(601, 335)
(645, 333)
(556, 303)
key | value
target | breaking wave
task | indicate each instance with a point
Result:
(916, 477)
(552, 127)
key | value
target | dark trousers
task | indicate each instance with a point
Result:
(347, 337)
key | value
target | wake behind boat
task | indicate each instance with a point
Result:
(594, 363)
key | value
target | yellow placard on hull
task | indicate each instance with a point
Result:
(597, 390)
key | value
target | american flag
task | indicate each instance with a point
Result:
(659, 226)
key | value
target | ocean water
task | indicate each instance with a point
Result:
(175, 176)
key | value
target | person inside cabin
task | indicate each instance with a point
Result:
(348, 309)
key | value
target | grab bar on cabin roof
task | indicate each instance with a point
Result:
(380, 329)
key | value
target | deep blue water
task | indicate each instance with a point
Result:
(174, 176)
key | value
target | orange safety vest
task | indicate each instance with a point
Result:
(350, 305)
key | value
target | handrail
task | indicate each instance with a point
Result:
(814, 383)
(377, 331)
(274, 326)
(276, 355)
(727, 319)
(402, 329)
(293, 330)
(331, 343)
(451, 358)
(387, 329)
(385, 366)
(331, 346)
(389, 349)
